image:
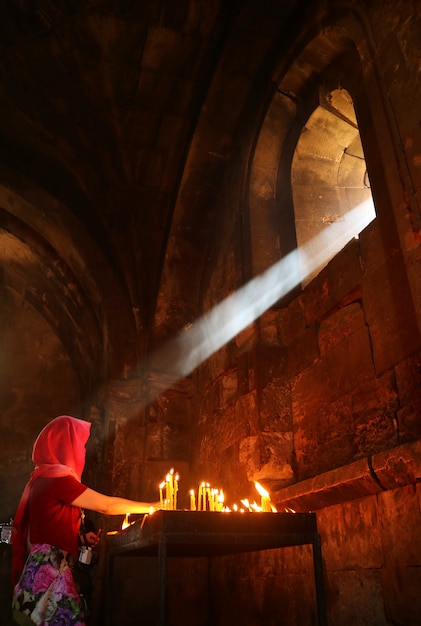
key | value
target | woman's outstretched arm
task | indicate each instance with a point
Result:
(111, 505)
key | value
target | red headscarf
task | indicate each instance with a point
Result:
(59, 450)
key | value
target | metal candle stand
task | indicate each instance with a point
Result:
(208, 534)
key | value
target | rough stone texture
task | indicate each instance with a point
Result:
(145, 177)
(408, 381)
(337, 284)
(336, 327)
(386, 470)
(393, 334)
(400, 521)
(32, 360)
(321, 407)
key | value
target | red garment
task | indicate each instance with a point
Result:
(51, 519)
(62, 442)
(58, 451)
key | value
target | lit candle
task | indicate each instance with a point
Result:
(161, 497)
(171, 480)
(201, 497)
(175, 492)
(168, 494)
(125, 523)
(213, 499)
(265, 498)
(220, 500)
(192, 500)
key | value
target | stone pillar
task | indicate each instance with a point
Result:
(115, 456)
(143, 429)
(123, 438)
(168, 426)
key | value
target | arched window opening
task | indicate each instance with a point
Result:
(330, 185)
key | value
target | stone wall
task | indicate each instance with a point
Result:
(319, 401)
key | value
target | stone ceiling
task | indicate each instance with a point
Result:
(115, 118)
(120, 120)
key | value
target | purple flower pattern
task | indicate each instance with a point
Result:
(47, 591)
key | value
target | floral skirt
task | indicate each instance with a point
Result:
(46, 593)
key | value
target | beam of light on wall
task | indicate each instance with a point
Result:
(194, 345)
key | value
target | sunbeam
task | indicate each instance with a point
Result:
(193, 346)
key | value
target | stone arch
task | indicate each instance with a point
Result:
(63, 276)
(330, 59)
(330, 184)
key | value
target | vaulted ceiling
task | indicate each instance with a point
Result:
(118, 121)
(115, 116)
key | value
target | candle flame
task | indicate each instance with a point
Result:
(261, 490)
(126, 522)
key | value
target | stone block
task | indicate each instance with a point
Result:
(268, 327)
(229, 472)
(228, 387)
(409, 422)
(246, 339)
(262, 588)
(187, 592)
(348, 482)
(408, 379)
(351, 535)
(339, 325)
(275, 413)
(355, 597)
(136, 588)
(275, 457)
(303, 351)
(167, 440)
(378, 242)
(376, 430)
(401, 536)
(271, 362)
(246, 411)
(376, 393)
(392, 334)
(398, 466)
(324, 419)
(339, 282)
(225, 428)
(338, 373)
(292, 322)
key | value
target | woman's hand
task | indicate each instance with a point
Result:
(109, 505)
(93, 538)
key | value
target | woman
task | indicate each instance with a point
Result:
(47, 525)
